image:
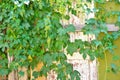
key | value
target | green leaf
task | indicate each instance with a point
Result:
(70, 28)
(75, 75)
(23, 34)
(1, 18)
(113, 65)
(91, 21)
(59, 45)
(55, 56)
(47, 59)
(116, 57)
(61, 31)
(97, 43)
(61, 76)
(84, 55)
(62, 56)
(79, 43)
(73, 11)
(69, 69)
(35, 74)
(115, 35)
(3, 72)
(72, 48)
(118, 18)
(113, 68)
(21, 73)
(40, 24)
(92, 57)
(67, 17)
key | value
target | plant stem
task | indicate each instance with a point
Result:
(105, 77)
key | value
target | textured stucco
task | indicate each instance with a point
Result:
(108, 7)
(109, 57)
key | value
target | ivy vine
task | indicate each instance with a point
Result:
(31, 32)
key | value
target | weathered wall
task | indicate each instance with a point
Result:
(39, 66)
(87, 68)
(107, 8)
(102, 65)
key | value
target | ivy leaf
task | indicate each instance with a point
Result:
(61, 31)
(67, 17)
(74, 12)
(1, 18)
(113, 68)
(118, 18)
(21, 73)
(113, 65)
(35, 74)
(91, 21)
(100, 1)
(97, 43)
(62, 56)
(88, 11)
(116, 57)
(44, 71)
(59, 45)
(55, 56)
(92, 57)
(79, 43)
(3, 72)
(75, 75)
(70, 28)
(84, 55)
(47, 59)
(40, 24)
(115, 35)
(61, 76)
(72, 48)
(69, 69)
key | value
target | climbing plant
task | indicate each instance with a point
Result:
(31, 32)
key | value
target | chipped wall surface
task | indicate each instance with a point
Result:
(87, 68)
(81, 14)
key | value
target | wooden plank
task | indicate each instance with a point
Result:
(82, 66)
(86, 67)
(111, 27)
(93, 70)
